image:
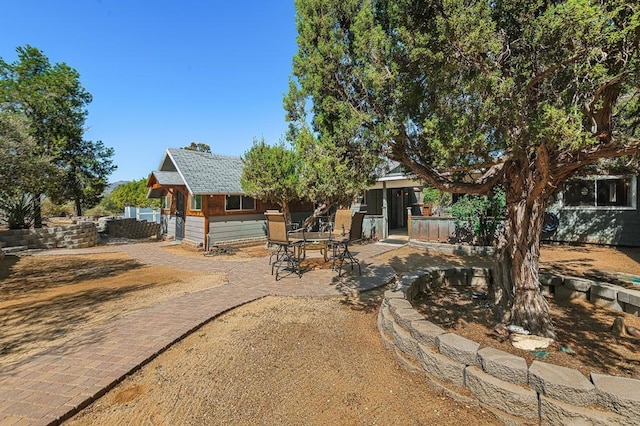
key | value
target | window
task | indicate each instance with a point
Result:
(166, 202)
(195, 202)
(240, 202)
(601, 192)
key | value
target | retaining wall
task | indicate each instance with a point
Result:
(500, 382)
(132, 228)
(81, 235)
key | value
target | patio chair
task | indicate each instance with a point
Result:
(275, 248)
(288, 252)
(341, 253)
(342, 222)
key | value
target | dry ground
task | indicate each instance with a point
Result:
(584, 340)
(274, 361)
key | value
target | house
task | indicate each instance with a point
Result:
(596, 209)
(203, 202)
(389, 200)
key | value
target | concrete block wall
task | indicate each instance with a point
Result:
(500, 382)
(81, 235)
(610, 296)
(132, 228)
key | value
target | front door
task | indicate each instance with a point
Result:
(181, 206)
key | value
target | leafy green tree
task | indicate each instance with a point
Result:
(133, 194)
(54, 103)
(24, 170)
(469, 95)
(329, 175)
(86, 171)
(200, 147)
(270, 173)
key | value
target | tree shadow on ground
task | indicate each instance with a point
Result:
(581, 326)
(31, 325)
(22, 276)
(369, 301)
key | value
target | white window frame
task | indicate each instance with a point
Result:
(193, 203)
(594, 179)
(241, 196)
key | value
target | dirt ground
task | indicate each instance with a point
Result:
(273, 361)
(45, 300)
(584, 340)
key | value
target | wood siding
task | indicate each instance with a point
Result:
(194, 230)
(237, 227)
(611, 227)
(433, 228)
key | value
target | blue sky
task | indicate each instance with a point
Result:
(166, 73)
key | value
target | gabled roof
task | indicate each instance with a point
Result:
(201, 172)
(168, 178)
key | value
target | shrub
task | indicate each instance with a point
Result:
(479, 216)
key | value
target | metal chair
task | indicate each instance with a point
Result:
(288, 252)
(341, 253)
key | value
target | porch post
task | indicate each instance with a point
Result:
(385, 212)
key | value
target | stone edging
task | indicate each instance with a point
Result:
(496, 380)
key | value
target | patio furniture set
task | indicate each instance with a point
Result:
(290, 245)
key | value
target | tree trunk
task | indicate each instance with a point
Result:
(78, 206)
(286, 211)
(321, 210)
(517, 290)
(37, 211)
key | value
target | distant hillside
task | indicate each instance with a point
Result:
(110, 187)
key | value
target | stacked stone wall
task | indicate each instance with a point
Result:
(541, 393)
(132, 228)
(81, 235)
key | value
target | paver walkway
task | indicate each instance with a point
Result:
(53, 385)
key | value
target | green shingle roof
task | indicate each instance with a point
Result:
(203, 173)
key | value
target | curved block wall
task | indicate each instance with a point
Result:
(500, 382)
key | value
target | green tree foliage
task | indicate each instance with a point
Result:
(480, 216)
(472, 94)
(133, 194)
(24, 170)
(270, 173)
(54, 102)
(329, 173)
(86, 170)
(200, 147)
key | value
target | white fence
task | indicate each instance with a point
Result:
(148, 214)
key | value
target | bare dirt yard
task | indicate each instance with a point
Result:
(273, 361)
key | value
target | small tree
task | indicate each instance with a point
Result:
(329, 175)
(270, 173)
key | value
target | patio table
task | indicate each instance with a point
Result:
(313, 241)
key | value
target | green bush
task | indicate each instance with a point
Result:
(480, 216)
(51, 209)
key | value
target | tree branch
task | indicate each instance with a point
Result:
(551, 70)
(569, 162)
